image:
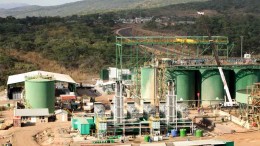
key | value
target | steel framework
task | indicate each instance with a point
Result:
(250, 111)
(134, 52)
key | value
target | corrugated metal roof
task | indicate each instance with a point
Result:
(18, 78)
(31, 112)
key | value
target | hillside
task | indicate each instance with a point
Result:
(88, 7)
(82, 45)
(12, 5)
(232, 18)
(79, 46)
(210, 7)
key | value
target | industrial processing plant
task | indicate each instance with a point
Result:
(156, 97)
(36, 98)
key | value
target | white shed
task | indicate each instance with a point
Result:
(61, 115)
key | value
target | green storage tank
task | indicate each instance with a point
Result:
(148, 82)
(74, 123)
(242, 96)
(246, 77)
(146, 138)
(91, 122)
(40, 93)
(126, 77)
(83, 126)
(185, 83)
(104, 74)
(182, 132)
(212, 87)
(199, 133)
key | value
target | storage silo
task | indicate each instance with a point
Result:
(185, 83)
(246, 77)
(148, 84)
(104, 74)
(40, 93)
(212, 87)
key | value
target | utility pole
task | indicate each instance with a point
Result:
(241, 38)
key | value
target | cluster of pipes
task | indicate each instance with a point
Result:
(170, 108)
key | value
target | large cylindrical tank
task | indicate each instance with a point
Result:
(185, 83)
(40, 93)
(246, 77)
(242, 96)
(148, 82)
(104, 74)
(212, 87)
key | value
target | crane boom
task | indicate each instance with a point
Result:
(223, 78)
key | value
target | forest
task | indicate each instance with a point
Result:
(87, 42)
(76, 42)
(232, 18)
(234, 27)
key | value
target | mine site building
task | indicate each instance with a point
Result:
(30, 116)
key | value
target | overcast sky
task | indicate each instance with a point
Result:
(39, 2)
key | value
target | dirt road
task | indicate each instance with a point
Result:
(243, 139)
(23, 136)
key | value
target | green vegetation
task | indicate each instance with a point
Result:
(10, 65)
(189, 10)
(88, 7)
(231, 26)
(85, 43)
(233, 18)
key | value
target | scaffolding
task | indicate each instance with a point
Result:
(154, 125)
(253, 108)
(101, 126)
(250, 111)
(134, 52)
(171, 104)
(118, 104)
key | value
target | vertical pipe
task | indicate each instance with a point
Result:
(176, 120)
(116, 59)
(137, 93)
(227, 52)
(197, 50)
(121, 61)
(241, 37)
(156, 101)
(140, 129)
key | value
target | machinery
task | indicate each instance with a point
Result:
(230, 102)
(118, 103)
(171, 103)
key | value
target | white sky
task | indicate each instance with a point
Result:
(39, 2)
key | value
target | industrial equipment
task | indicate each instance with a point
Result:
(118, 103)
(171, 103)
(40, 93)
(230, 102)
